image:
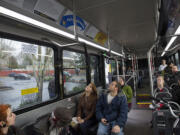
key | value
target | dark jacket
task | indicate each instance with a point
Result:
(116, 111)
(87, 107)
(176, 94)
(14, 131)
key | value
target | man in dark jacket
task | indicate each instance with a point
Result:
(176, 92)
(111, 111)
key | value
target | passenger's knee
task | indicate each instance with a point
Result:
(119, 133)
(101, 132)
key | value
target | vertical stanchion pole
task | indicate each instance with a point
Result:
(74, 18)
(150, 71)
(123, 65)
(117, 66)
(134, 64)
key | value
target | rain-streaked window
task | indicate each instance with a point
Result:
(26, 73)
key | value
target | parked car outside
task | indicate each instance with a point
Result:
(12, 74)
(22, 76)
(66, 73)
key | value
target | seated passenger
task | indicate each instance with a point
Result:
(175, 72)
(59, 121)
(168, 69)
(163, 65)
(127, 90)
(129, 71)
(86, 108)
(176, 92)
(7, 121)
(111, 111)
(160, 85)
(161, 91)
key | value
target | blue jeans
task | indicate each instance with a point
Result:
(106, 129)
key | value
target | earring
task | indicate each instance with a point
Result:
(2, 124)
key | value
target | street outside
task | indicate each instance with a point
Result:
(13, 96)
(10, 89)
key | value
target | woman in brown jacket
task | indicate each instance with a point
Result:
(86, 108)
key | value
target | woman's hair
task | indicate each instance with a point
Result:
(122, 78)
(3, 112)
(94, 91)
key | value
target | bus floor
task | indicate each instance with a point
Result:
(138, 122)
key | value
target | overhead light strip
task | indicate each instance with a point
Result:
(28, 20)
(113, 52)
(97, 46)
(92, 44)
(171, 41)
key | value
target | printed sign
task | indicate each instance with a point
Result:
(29, 91)
(50, 9)
(29, 95)
(100, 38)
(32, 49)
(67, 21)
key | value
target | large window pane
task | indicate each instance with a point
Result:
(73, 60)
(110, 70)
(26, 70)
(95, 73)
(74, 72)
(177, 60)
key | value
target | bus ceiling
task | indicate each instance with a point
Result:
(135, 25)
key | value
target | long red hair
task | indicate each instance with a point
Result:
(94, 89)
(3, 113)
(93, 95)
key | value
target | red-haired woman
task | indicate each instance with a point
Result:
(7, 121)
(86, 108)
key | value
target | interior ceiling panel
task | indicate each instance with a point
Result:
(131, 23)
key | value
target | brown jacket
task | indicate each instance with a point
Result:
(86, 107)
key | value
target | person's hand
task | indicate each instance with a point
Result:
(78, 119)
(81, 121)
(104, 121)
(116, 129)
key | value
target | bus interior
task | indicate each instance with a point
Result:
(46, 61)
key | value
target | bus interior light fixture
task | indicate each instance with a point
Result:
(113, 52)
(92, 44)
(171, 41)
(97, 46)
(28, 20)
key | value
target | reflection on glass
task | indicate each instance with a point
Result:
(110, 70)
(25, 72)
(74, 73)
(177, 60)
(95, 74)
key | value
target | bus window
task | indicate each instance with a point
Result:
(74, 73)
(95, 73)
(25, 73)
(177, 60)
(110, 70)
